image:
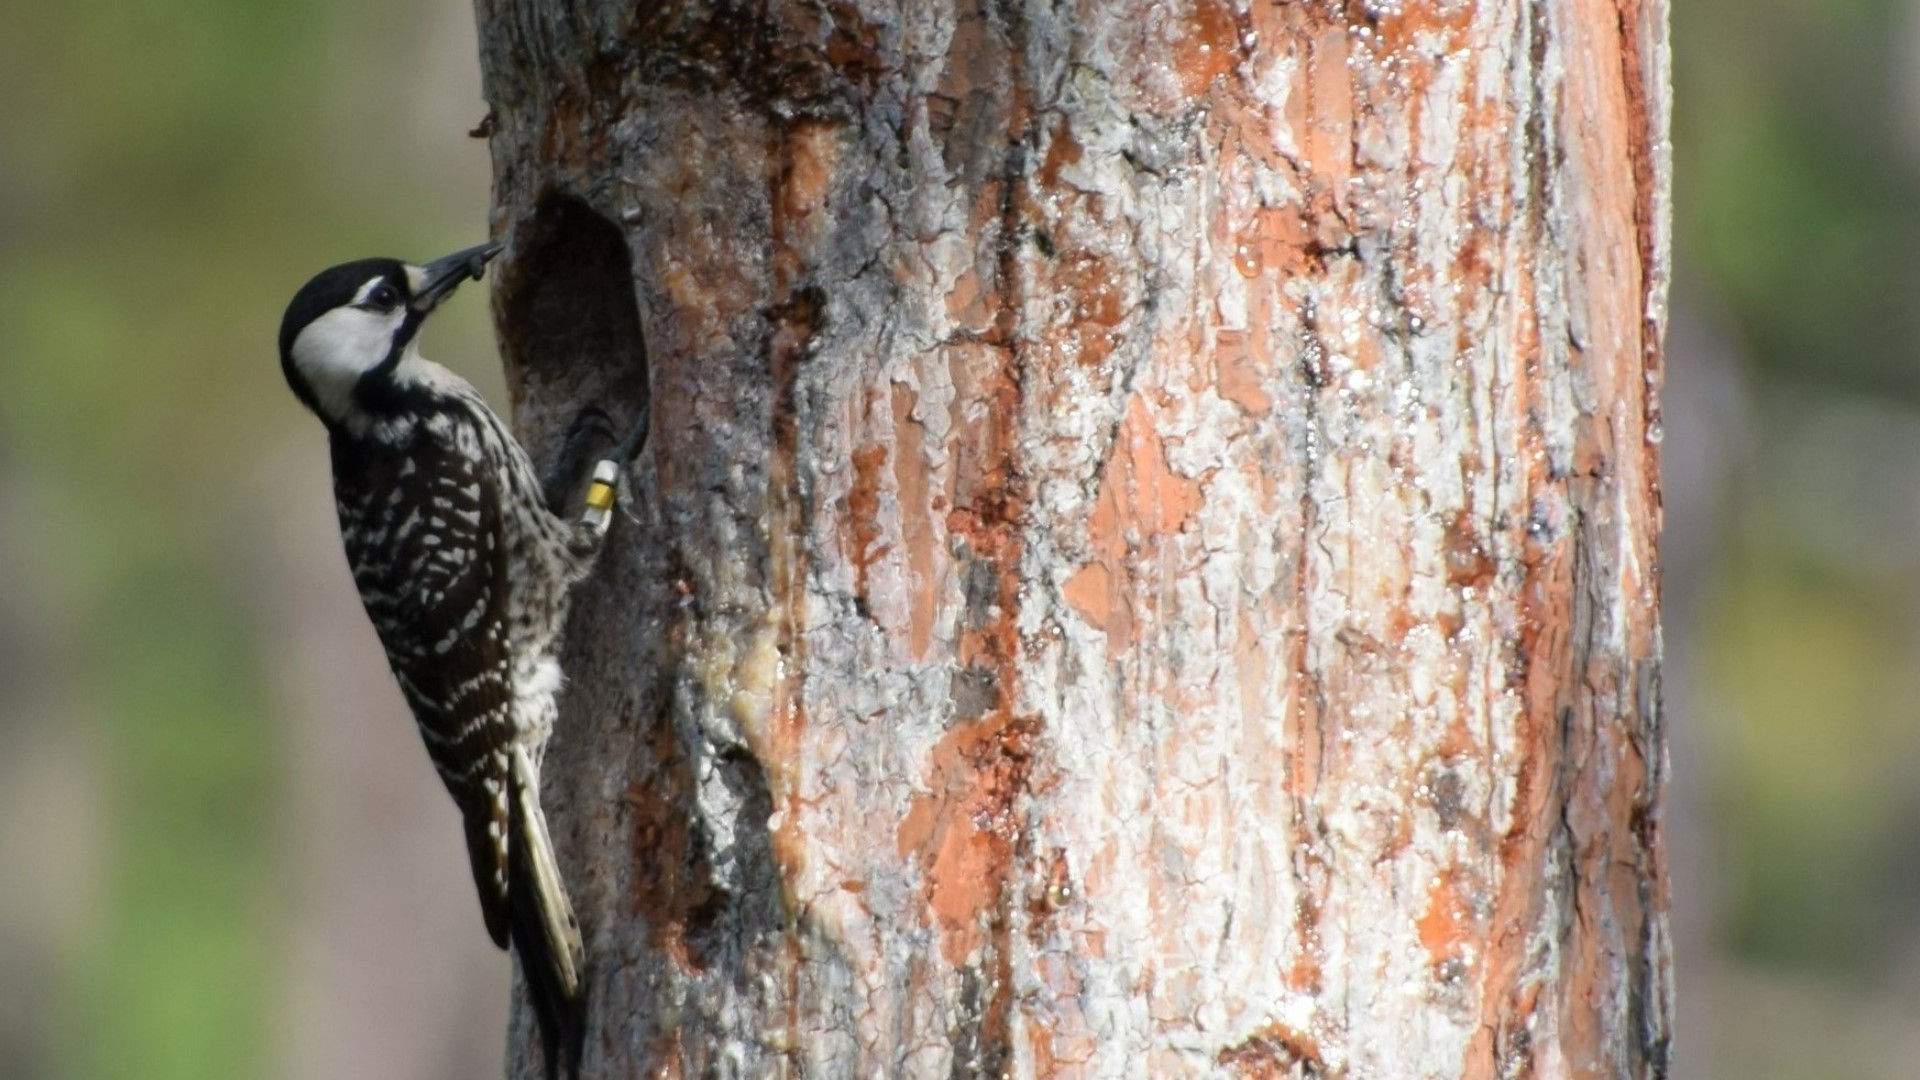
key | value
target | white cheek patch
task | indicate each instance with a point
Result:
(337, 348)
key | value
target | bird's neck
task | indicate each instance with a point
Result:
(409, 388)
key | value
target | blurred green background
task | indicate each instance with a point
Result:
(186, 805)
(217, 859)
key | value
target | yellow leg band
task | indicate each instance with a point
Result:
(600, 495)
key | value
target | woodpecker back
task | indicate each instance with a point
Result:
(465, 565)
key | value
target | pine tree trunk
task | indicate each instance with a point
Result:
(1146, 565)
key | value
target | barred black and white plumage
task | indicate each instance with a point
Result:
(464, 559)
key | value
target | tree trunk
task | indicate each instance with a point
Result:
(1146, 565)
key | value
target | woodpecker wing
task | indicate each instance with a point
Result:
(421, 524)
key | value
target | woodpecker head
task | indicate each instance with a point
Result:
(348, 334)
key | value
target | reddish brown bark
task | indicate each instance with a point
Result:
(1147, 565)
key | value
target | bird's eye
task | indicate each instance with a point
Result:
(383, 297)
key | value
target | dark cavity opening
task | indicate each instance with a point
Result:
(569, 323)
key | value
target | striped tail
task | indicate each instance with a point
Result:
(545, 936)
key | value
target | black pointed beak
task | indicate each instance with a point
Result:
(442, 276)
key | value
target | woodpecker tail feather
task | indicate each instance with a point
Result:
(545, 935)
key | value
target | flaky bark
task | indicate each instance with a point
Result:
(1147, 561)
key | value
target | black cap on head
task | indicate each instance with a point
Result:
(336, 287)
